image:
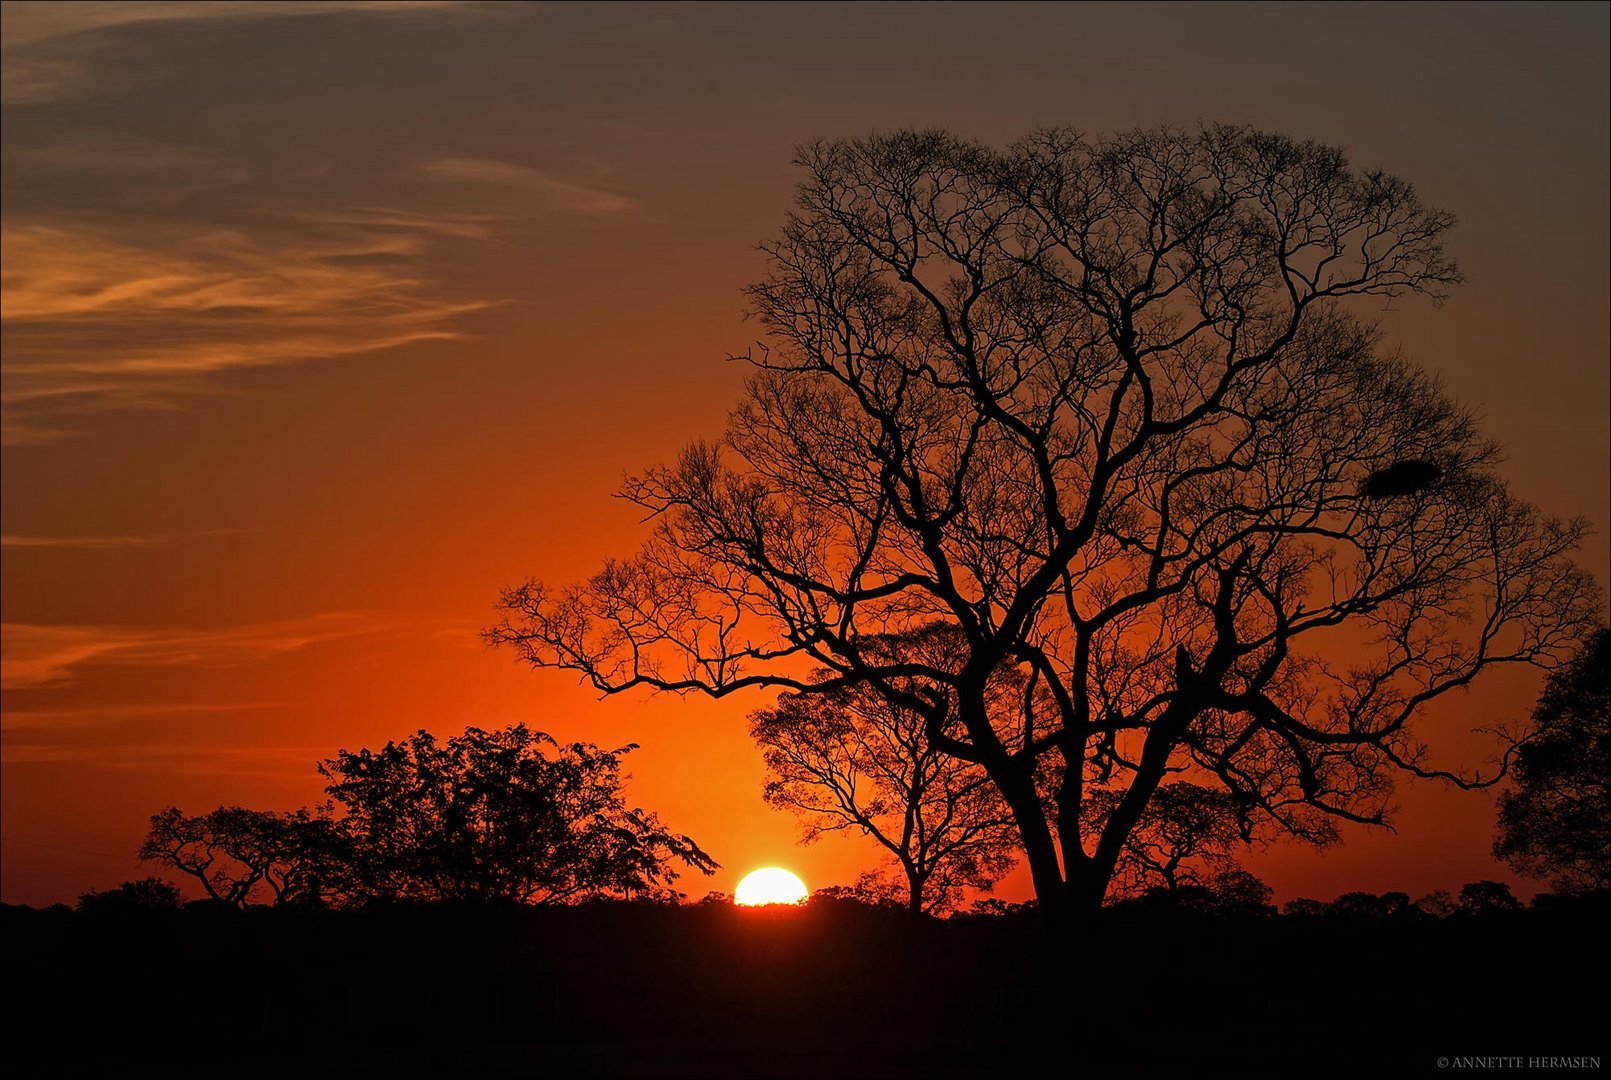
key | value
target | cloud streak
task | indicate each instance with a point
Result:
(102, 543)
(542, 188)
(255, 761)
(86, 543)
(99, 316)
(19, 720)
(35, 656)
(46, 47)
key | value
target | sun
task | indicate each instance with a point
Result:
(772, 885)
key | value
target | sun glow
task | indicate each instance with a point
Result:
(772, 885)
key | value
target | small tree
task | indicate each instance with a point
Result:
(1555, 822)
(1438, 904)
(239, 855)
(1238, 891)
(147, 894)
(1367, 905)
(855, 758)
(1487, 898)
(499, 815)
(1185, 837)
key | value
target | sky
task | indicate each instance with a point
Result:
(322, 322)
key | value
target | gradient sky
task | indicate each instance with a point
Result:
(324, 321)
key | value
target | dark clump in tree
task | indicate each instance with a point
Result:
(505, 815)
(856, 759)
(1555, 823)
(1401, 478)
(1106, 408)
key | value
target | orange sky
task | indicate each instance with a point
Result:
(322, 322)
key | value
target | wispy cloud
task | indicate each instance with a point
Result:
(111, 169)
(56, 270)
(13, 721)
(34, 655)
(46, 46)
(540, 188)
(459, 226)
(100, 316)
(101, 543)
(88, 543)
(257, 761)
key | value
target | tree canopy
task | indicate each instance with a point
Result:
(506, 815)
(1112, 409)
(1555, 822)
(499, 815)
(241, 856)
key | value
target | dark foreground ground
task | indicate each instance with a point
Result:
(830, 990)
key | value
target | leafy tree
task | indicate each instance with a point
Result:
(871, 889)
(499, 815)
(239, 855)
(1231, 891)
(1556, 821)
(1438, 903)
(147, 894)
(1365, 905)
(1486, 898)
(995, 907)
(1240, 891)
(1185, 836)
(1108, 407)
(854, 758)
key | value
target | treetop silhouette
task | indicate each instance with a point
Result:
(500, 815)
(504, 816)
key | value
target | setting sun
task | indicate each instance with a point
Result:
(772, 885)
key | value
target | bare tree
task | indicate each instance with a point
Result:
(1108, 407)
(853, 758)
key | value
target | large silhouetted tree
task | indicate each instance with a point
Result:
(1556, 822)
(853, 758)
(499, 815)
(1109, 407)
